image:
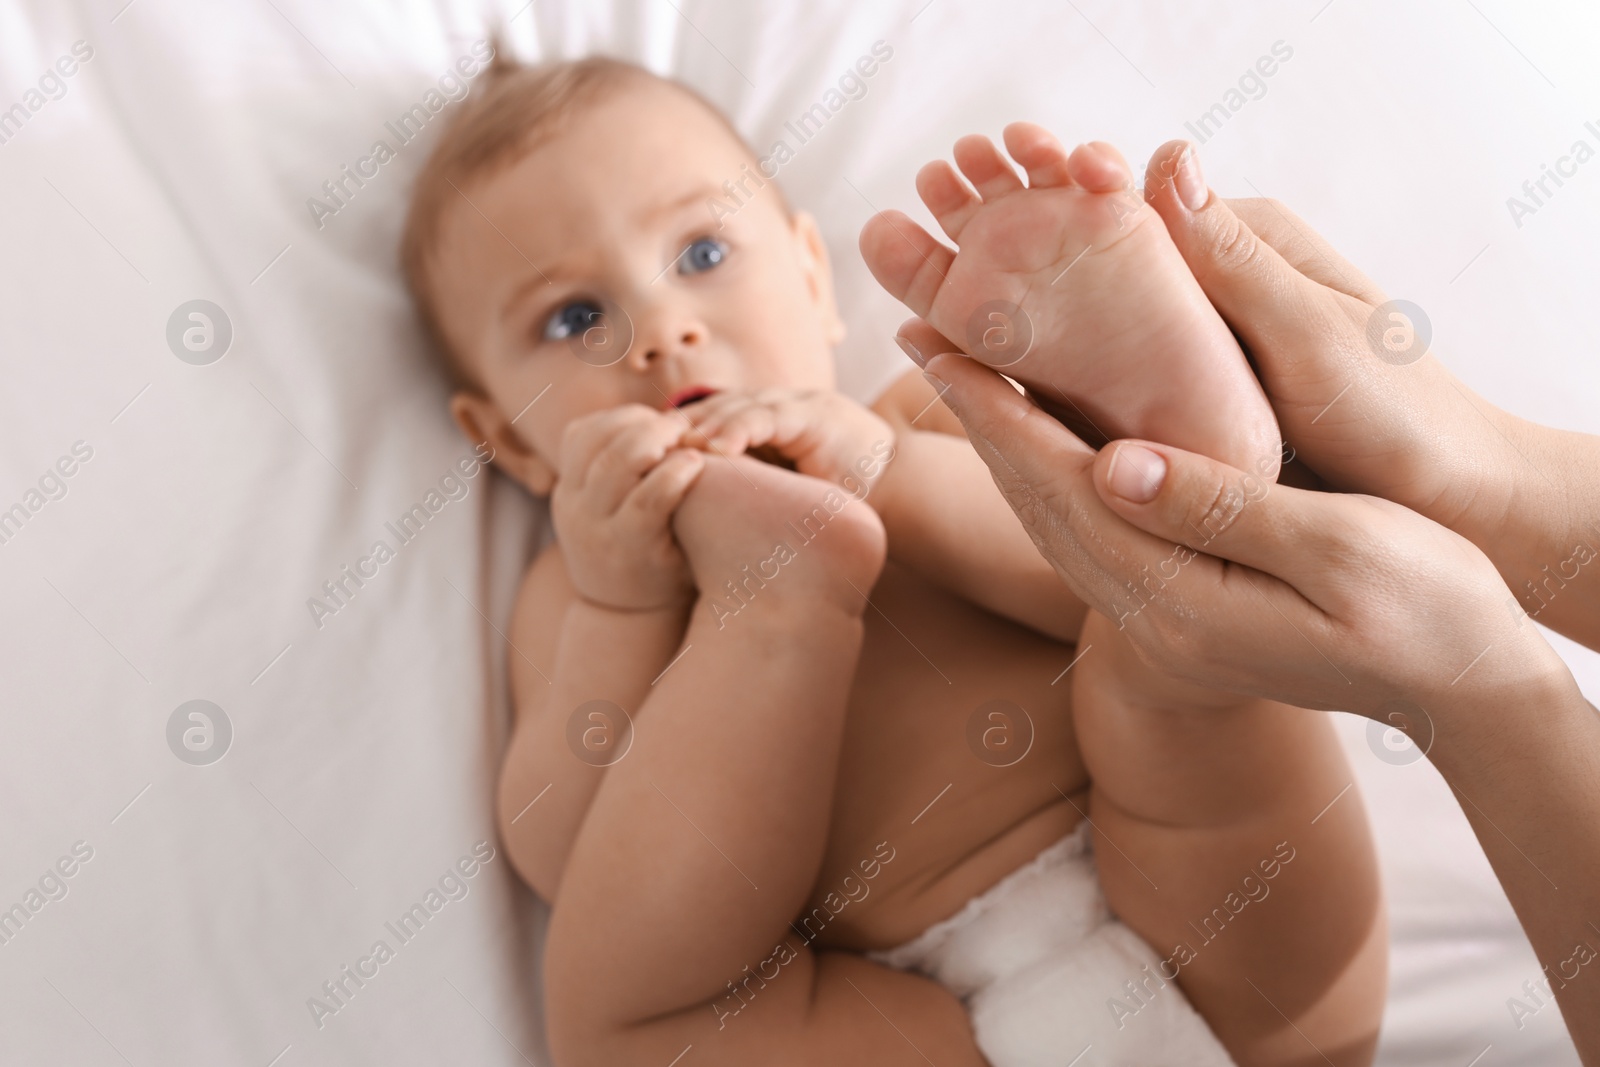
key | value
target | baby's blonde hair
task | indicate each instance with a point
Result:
(516, 107)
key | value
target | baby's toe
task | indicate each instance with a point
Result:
(1039, 153)
(985, 167)
(950, 199)
(1099, 168)
(905, 259)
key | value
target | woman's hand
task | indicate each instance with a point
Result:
(1315, 599)
(1371, 413)
(1357, 391)
(824, 434)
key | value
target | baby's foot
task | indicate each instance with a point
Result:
(1073, 287)
(760, 537)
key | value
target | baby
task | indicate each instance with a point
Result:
(815, 758)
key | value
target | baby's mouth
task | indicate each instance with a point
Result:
(689, 395)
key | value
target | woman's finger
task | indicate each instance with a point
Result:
(1261, 295)
(1231, 514)
(1304, 249)
(921, 342)
(1045, 474)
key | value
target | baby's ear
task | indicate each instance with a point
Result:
(819, 273)
(483, 422)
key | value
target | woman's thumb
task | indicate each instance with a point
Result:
(1253, 287)
(1216, 509)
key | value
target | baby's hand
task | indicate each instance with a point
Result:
(622, 476)
(822, 433)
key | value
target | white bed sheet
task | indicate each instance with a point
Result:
(178, 565)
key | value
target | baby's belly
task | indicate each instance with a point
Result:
(959, 765)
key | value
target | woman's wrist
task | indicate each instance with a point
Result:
(1543, 532)
(1469, 729)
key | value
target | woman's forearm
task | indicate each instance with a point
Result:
(1546, 540)
(1525, 767)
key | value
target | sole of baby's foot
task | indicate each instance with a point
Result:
(767, 540)
(1071, 285)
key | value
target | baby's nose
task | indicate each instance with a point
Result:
(667, 341)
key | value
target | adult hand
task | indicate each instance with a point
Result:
(1315, 599)
(1342, 601)
(1357, 392)
(1381, 418)
(1373, 414)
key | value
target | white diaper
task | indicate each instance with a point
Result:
(1041, 964)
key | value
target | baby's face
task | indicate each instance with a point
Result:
(602, 233)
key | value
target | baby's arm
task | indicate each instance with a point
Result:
(1229, 835)
(671, 929)
(948, 522)
(567, 652)
(598, 616)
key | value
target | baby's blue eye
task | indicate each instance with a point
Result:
(572, 320)
(704, 254)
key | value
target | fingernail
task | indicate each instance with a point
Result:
(1191, 184)
(943, 387)
(911, 351)
(1136, 473)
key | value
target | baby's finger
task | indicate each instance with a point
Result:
(618, 466)
(657, 495)
(747, 428)
(585, 437)
(703, 425)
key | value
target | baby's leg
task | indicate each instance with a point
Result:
(1229, 835)
(671, 925)
(1072, 286)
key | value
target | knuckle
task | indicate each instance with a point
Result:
(1208, 510)
(1234, 245)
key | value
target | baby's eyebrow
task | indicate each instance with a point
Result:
(700, 193)
(528, 286)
